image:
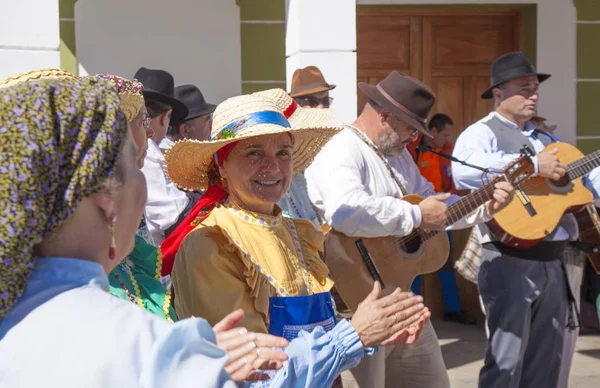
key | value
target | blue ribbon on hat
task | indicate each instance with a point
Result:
(266, 117)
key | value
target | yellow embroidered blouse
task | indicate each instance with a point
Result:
(217, 269)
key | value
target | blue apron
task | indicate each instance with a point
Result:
(290, 314)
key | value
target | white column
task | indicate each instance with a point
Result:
(29, 36)
(323, 34)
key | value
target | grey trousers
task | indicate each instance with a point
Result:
(526, 305)
(402, 366)
(574, 261)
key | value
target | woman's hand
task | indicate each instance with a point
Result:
(248, 352)
(410, 335)
(386, 320)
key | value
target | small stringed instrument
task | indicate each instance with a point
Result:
(539, 203)
(589, 234)
(355, 263)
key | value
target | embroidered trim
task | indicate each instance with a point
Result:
(252, 218)
(167, 304)
(136, 287)
(281, 291)
(157, 275)
(299, 254)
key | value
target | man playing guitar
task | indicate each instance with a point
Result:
(524, 290)
(351, 185)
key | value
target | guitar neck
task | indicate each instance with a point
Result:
(467, 204)
(584, 165)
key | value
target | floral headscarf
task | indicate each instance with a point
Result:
(130, 93)
(59, 141)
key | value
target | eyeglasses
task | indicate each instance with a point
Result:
(145, 121)
(315, 102)
(413, 131)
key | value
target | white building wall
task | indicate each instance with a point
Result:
(324, 34)
(29, 36)
(198, 41)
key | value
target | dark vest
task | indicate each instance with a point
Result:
(511, 141)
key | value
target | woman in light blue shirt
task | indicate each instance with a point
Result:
(72, 197)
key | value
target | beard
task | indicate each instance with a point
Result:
(390, 143)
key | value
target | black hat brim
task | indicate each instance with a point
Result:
(180, 111)
(205, 110)
(489, 95)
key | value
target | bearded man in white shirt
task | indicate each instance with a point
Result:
(353, 191)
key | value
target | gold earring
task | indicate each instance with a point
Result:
(112, 246)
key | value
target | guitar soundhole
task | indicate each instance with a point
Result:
(411, 243)
(562, 182)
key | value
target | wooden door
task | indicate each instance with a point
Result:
(451, 51)
(387, 42)
(458, 51)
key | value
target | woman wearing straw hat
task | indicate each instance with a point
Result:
(296, 203)
(74, 193)
(244, 254)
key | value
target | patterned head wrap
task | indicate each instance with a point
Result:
(59, 142)
(130, 92)
(36, 75)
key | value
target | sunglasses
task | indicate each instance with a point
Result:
(314, 102)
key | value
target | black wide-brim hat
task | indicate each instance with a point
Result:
(159, 85)
(508, 67)
(193, 99)
(405, 97)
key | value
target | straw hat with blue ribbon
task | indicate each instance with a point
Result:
(238, 118)
(297, 116)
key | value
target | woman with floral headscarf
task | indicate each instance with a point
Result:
(72, 197)
(138, 278)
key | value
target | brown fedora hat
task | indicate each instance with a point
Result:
(309, 81)
(406, 98)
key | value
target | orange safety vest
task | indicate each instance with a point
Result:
(433, 167)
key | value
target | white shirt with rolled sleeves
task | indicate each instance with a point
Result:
(165, 201)
(354, 193)
(477, 145)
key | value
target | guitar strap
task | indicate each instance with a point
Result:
(371, 145)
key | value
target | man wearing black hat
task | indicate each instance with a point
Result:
(524, 290)
(356, 183)
(165, 201)
(197, 124)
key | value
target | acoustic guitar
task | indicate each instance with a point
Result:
(355, 263)
(539, 203)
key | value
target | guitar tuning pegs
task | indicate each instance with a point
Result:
(527, 151)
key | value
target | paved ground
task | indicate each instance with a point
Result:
(464, 347)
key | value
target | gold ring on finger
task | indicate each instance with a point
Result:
(258, 352)
(395, 318)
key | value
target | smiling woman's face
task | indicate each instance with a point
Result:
(258, 171)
